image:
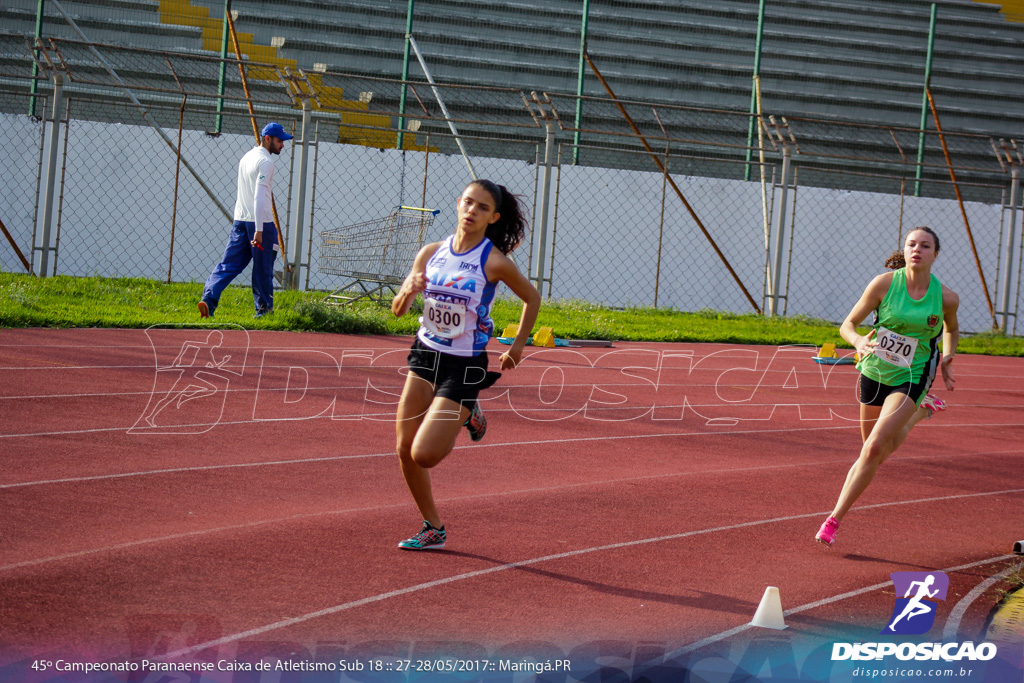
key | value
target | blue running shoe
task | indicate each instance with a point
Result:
(428, 538)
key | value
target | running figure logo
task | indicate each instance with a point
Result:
(914, 613)
(190, 388)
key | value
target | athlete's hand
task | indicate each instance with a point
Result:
(947, 372)
(416, 282)
(258, 240)
(511, 359)
(866, 344)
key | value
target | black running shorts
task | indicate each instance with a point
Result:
(458, 378)
(873, 393)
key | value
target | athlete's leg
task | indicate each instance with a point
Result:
(868, 391)
(920, 414)
(436, 436)
(868, 418)
(417, 396)
(927, 404)
(896, 412)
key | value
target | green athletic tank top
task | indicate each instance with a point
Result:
(919, 320)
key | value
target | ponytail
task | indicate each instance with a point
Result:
(896, 261)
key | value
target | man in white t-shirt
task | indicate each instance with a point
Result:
(254, 235)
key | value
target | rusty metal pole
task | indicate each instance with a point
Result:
(177, 171)
(675, 187)
(255, 130)
(24, 261)
(963, 212)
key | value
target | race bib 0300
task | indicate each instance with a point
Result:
(445, 319)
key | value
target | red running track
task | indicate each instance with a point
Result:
(643, 495)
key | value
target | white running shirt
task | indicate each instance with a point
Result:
(255, 178)
(457, 301)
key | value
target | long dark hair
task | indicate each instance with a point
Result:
(508, 231)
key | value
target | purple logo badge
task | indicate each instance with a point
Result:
(914, 612)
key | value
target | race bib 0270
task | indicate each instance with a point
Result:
(895, 349)
(445, 319)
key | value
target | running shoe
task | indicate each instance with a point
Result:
(204, 309)
(476, 425)
(934, 404)
(428, 538)
(827, 532)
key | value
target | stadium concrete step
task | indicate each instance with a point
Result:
(357, 125)
(101, 24)
(860, 59)
(135, 11)
(1012, 11)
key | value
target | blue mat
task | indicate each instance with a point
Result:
(845, 360)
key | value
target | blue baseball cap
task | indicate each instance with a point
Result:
(275, 130)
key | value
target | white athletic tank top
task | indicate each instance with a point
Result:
(457, 302)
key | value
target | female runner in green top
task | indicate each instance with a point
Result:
(898, 360)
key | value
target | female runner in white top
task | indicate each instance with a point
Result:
(448, 361)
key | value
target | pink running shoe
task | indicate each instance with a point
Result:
(827, 532)
(934, 404)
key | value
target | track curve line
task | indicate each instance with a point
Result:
(285, 623)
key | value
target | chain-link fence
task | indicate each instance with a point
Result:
(129, 199)
(19, 177)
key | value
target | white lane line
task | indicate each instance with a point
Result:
(390, 416)
(332, 458)
(666, 386)
(534, 490)
(198, 468)
(391, 454)
(260, 630)
(603, 408)
(686, 649)
(952, 628)
(397, 368)
(229, 391)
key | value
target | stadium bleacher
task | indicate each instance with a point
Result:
(858, 60)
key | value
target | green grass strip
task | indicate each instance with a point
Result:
(62, 301)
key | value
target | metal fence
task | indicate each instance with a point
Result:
(652, 213)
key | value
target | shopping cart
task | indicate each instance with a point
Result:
(374, 256)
